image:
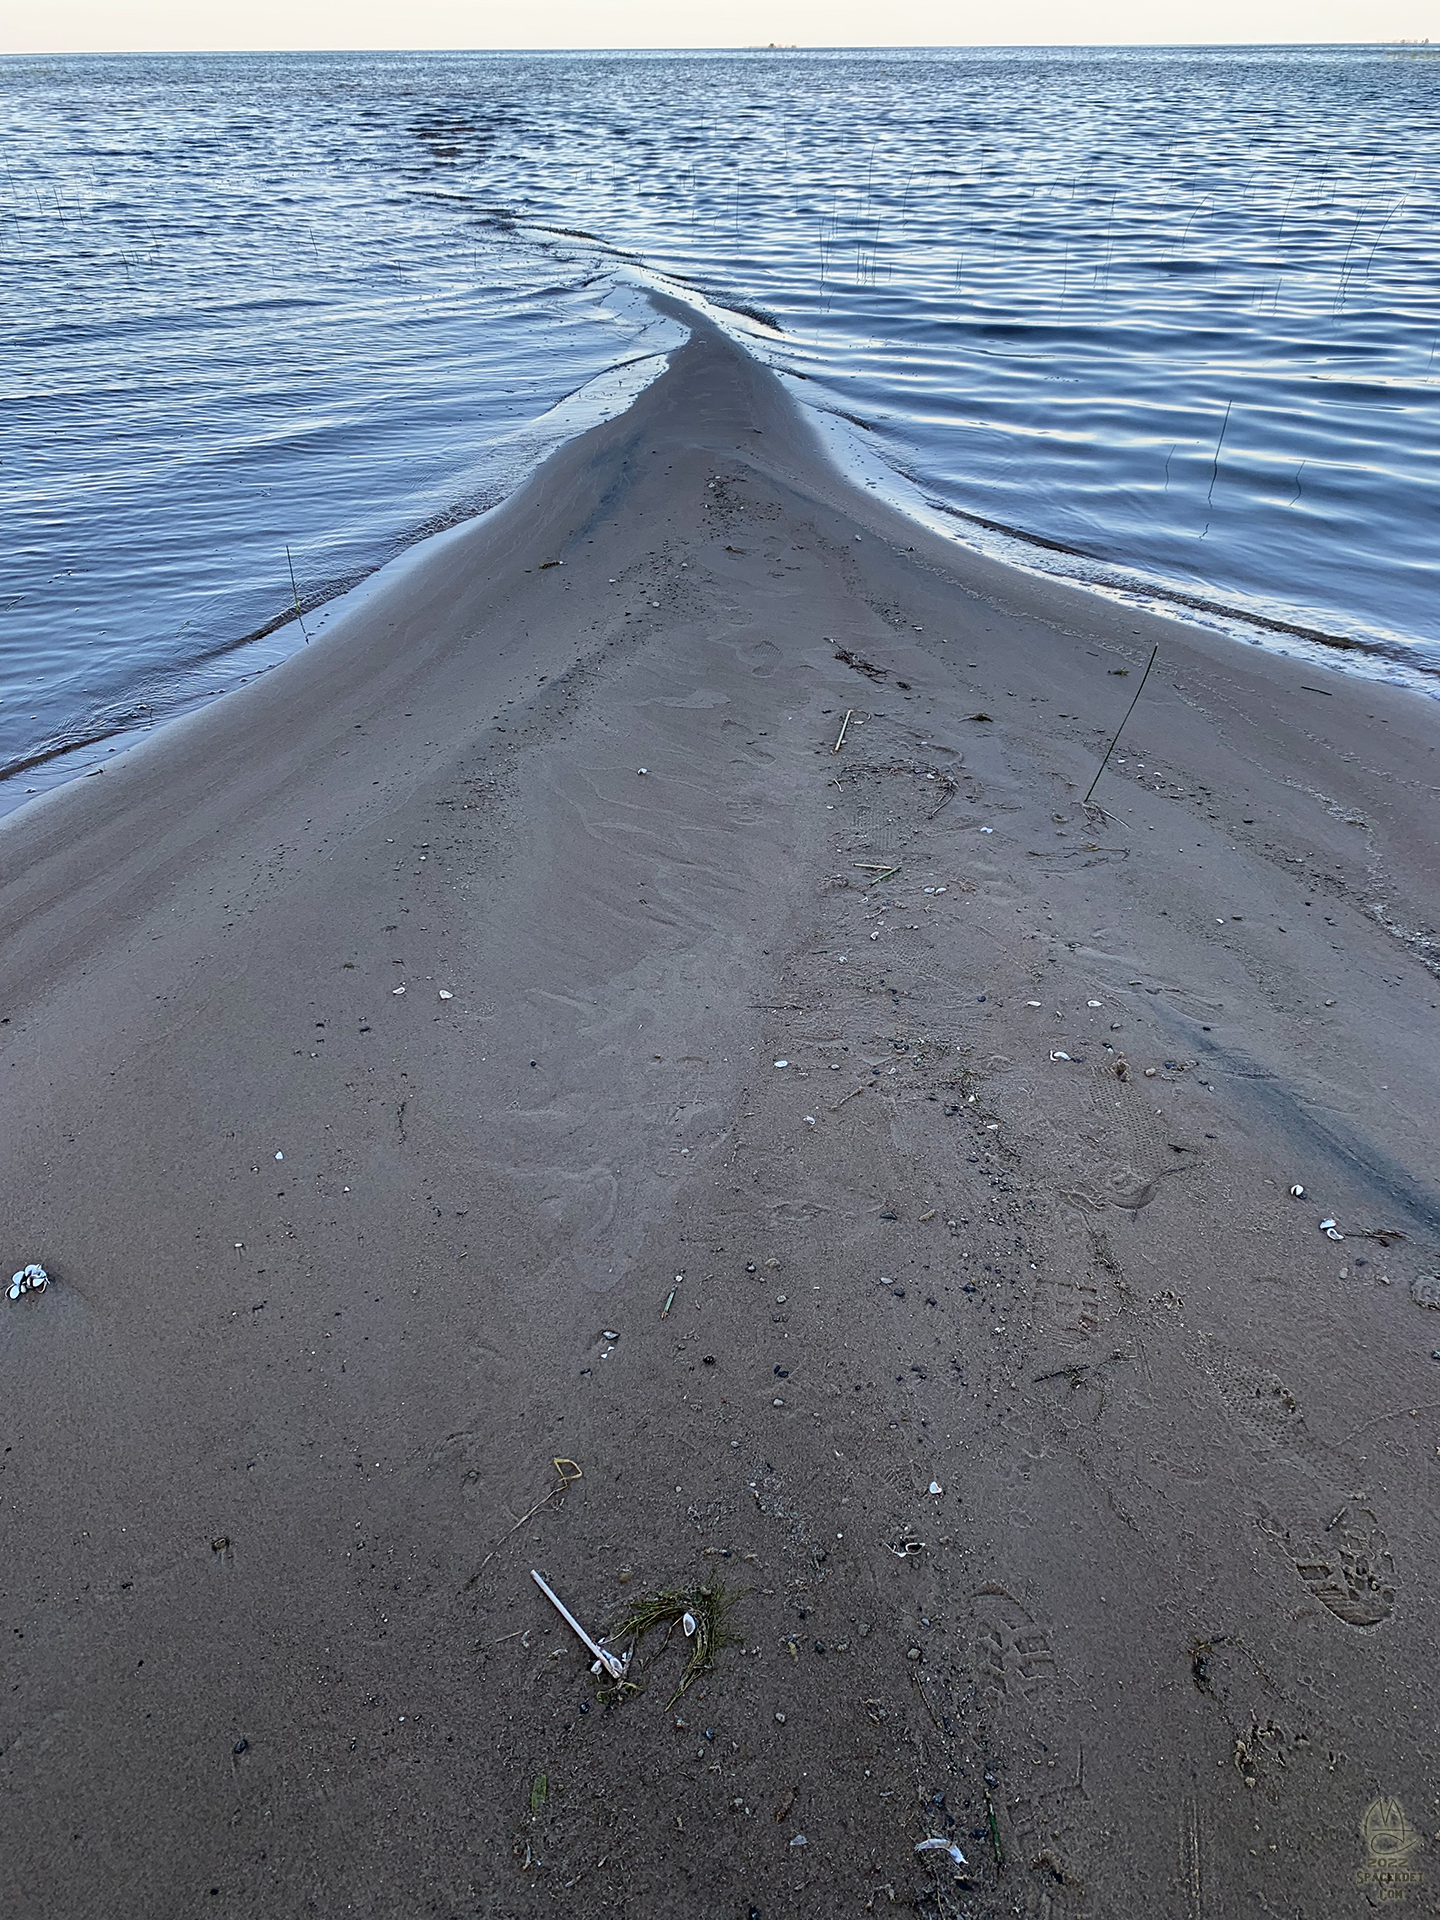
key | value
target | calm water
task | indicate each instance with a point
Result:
(1168, 318)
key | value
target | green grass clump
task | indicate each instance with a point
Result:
(709, 1606)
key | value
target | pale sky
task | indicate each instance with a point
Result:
(68, 26)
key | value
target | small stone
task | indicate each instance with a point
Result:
(779, 1719)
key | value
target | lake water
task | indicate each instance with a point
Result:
(1165, 321)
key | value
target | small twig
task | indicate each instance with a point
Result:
(1110, 816)
(1215, 467)
(295, 591)
(850, 1096)
(840, 740)
(994, 1830)
(1121, 728)
(1401, 1413)
(569, 1473)
(915, 1678)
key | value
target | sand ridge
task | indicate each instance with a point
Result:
(341, 1269)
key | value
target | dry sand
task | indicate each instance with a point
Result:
(1171, 1629)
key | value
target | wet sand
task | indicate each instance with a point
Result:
(1013, 1218)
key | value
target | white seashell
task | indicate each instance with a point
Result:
(446, 996)
(1297, 1193)
(689, 1623)
(1059, 1056)
(939, 1845)
(935, 1487)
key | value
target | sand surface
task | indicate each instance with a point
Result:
(977, 1175)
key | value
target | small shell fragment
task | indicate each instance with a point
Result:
(935, 1487)
(688, 1622)
(1297, 1193)
(939, 1845)
(445, 994)
(1059, 1056)
(782, 1063)
(1330, 1230)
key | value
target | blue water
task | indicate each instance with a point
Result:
(1162, 320)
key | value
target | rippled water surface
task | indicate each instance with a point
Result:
(1170, 318)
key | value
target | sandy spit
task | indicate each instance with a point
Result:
(385, 1047)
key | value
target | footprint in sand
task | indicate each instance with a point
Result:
(1350, 1570)
(1261, 1405)
(1013, 1659)
(1073, 1308)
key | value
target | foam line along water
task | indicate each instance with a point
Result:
(1173, 315)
